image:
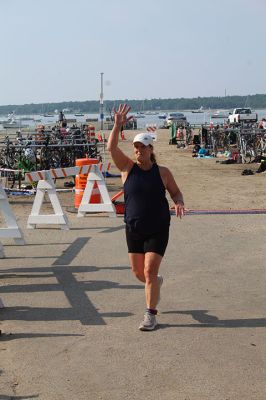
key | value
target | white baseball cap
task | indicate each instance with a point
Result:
(143, 138)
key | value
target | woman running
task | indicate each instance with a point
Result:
(147, 214)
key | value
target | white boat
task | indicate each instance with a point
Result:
(14, 124)
(151, 113)
(79, 115)
(220, 114)
(9, 118)
(48, 115)
(199, 110)
(139, 115)
(162, 116)
(26, 119)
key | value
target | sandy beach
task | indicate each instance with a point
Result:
(206, 183)
(72, 306)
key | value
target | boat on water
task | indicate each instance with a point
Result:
(162, 116)
(48, 115)
(220, 114)
(79, 115)
(13, 122)
(8, 118)
(27, 119)
(14, 125)
(151, 113)
(199, 110)
(139, 115)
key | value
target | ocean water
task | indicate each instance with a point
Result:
(192, 118)
(149, 119)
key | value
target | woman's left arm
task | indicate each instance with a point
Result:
(174, 191)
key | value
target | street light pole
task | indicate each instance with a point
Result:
(101, 118)
(101, 102)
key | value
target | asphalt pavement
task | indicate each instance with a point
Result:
(72, 310)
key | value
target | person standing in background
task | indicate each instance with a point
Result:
(61, 118)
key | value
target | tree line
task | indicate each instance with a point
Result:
(257, 101)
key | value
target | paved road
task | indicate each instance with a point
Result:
(73, 309)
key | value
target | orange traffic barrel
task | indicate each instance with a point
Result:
(81, 182)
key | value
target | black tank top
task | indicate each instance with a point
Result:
(146, 207)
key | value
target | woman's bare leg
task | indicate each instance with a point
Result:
(151, 268)
(146, 267)
(137, 265)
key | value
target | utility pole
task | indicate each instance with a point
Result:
(101, 102)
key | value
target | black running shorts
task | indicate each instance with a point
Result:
(143, 243)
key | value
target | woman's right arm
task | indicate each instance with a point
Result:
(121, 160)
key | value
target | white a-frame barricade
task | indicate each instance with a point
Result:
(12, 230)
(95, 175)
(46, 185)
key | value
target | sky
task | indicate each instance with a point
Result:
(56, 50)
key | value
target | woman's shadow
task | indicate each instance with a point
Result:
(205, 320)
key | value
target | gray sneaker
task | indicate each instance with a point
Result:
(148, 323)
(160, 280)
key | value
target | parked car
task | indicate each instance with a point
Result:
(174, 117)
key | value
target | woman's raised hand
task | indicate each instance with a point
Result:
(121, 115)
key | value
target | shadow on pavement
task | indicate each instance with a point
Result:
(7, 337)
(35, 244)
(12, 397)
(211, 321)
(76, 292)
(87, 314)
(11, 272)
(81, 308)
(71, 252)
(68, 284)
(103, 229)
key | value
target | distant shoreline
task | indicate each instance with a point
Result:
(257, 101)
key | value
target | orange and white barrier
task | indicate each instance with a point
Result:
(56, 173)
(108, 166)
(91, 133)
(46, 185)
(8, 171)
(152, 130)
(95, 176)
(12, 230)
(61, 172)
